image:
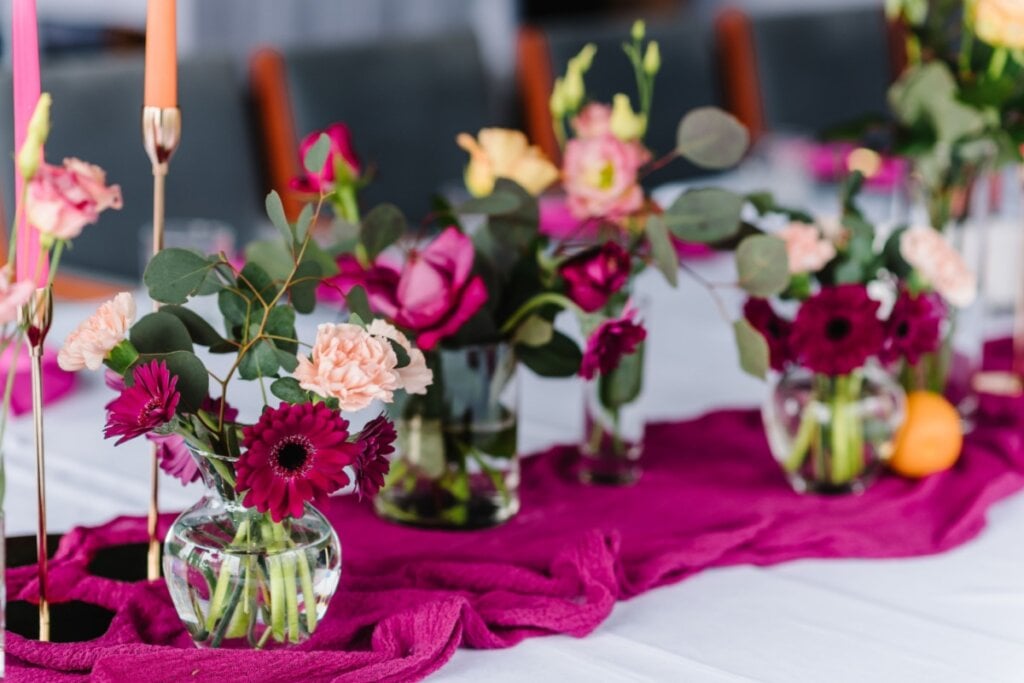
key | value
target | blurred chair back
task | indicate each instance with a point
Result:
(404, 101)
(807, 70)
(688, 77)
(97, 105)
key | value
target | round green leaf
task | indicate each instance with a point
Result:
(705, 215)
(752, 347)
(711, 138)
(175, 274)
(763, 265)
(160, 332)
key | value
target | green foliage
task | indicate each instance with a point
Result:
(534, 331)
(662, 251)
(288, 390)
(711, 138)
(762, 265)
(316, 156)
(752, 349)
(200, 331)
(160, 332)
(275, 212)
(560, 357)
(622, 385)
(705, 215)
(173, 275)
(358, 303)
(381, 228)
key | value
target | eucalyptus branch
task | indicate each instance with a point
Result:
(711, 289)
(533, 304)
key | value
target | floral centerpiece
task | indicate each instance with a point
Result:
(837, 312)
(615, 231)
(253, 563)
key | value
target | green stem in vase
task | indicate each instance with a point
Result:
(805, 436)
(840, 433)
(309, 601)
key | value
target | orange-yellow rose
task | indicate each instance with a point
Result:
(1000, 22)
(503, 153)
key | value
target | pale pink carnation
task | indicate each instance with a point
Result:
(13, 295)
(807, 250)
(939, 264)
(349, 364)
(600, 176)
(89, 344)
(416, 376)
(593, 121)
(62, 200)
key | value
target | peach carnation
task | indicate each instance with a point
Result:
(807, 250)
(350, 364)
(89, 344)
(416, 376)
(939, 264)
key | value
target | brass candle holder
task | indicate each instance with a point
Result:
(36, 317)
(161, 131)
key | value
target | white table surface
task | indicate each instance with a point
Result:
(957, 617)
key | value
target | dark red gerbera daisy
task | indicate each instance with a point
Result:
(837, 330)
(294, 454)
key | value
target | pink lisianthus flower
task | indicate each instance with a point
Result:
(349, 364)
(939, 264)
(89, 344)
(600, 176)
(294, 454)
(593, 121)
(806, 249)
(592, 277)
(342, 151)
(13, 295)
(436, 292)
(377, 442)
(62, 200)
(149, 403)
(610, 342)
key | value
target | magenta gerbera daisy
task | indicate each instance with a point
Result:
(293, 454)
(837, 330)
(377, 441)
(144, 406)
(914, 327)
(774, 328)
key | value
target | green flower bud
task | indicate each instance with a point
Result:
(639, 30)
(31, 153)
(626, 125)
(652, 58)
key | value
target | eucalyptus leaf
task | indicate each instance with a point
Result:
(175, 274)
(763, 265)
(288, 390)
(358, 304)
(534, 331)
(316, 156)
(705, 215)
(275, 212)
(281, 324)
(622, 385)
(303, 222)
(560, 357)
(497, 203)
(711, 138)
(665, 257)
(272, 256)
(303, 290)
(160, 332)
(199, 330)
(752, 348)
(382, 227)
(260, 360)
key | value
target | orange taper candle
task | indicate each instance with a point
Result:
(161, 54)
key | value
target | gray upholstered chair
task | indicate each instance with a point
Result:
(405, 100)
(688, 76)
(96, 116)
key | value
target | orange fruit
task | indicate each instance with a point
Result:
(930, 438)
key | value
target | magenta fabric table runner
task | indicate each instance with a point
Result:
(711, 496)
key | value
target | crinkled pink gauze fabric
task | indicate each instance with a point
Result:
(711, 496)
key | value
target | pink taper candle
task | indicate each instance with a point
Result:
(25, 39)
(161, 55)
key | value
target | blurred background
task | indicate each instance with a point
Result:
(407, 76)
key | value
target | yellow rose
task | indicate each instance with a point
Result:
(1000, 22)
(503, 153)
(626, 125)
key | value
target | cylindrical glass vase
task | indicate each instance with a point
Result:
(614, 424)
(240, 580)
(456, 464)
(831, 435)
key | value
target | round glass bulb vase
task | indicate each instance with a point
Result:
(240, 580)
(455, 464)
(831, 435)
(614, 424)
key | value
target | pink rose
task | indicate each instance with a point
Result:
(377, 280)
(939, 264)
(13, 295)
(62, 200)
(436, 292)
(415, 376)
(592, 277)
(808, 252)
(342, 150)
(593, 121)
(600, 177)
(89, 344)
(349, 364)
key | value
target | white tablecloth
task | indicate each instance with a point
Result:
(956, 618)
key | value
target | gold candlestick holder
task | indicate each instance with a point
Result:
(161, 131)
(36, 317)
